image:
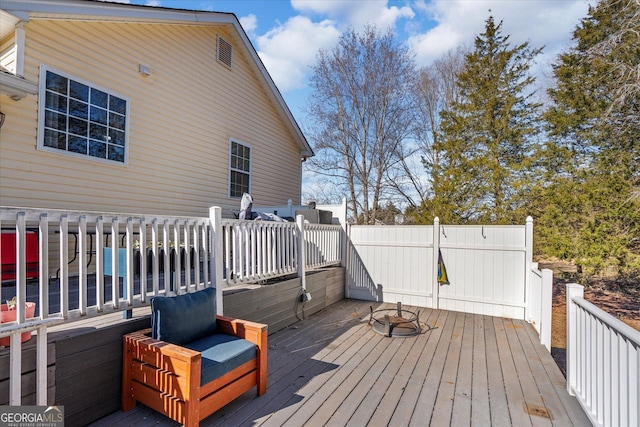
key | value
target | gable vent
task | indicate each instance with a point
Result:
(225, 51)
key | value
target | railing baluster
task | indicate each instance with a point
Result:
(128, 284)
(82, 265)
(64, 266)
(167, 257)
(143, 259)
(177, 263)
(196, 256)
(115, 276)
(43, 258)
(187, 256)
(100, 264)
(207, 248)
(155, 260)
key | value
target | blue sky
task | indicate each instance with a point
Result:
(288, 33)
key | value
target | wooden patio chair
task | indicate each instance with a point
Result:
(191, 362)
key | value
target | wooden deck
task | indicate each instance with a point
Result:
(332, 369)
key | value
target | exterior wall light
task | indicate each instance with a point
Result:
(144, 70)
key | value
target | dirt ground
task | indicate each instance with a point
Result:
(624, 306)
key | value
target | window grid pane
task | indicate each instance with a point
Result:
(75, 111)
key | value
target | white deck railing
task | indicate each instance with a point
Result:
(540, 302)
(254, 251)
(603, 363)
(79, 274)
(72, 248)
(325, 245)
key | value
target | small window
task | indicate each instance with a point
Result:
(239, 169)
(225, 51)
(81, 118)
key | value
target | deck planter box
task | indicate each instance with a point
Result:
(10, 316)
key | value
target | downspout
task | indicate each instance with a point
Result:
(302, 160)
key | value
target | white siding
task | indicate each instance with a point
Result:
(181, 119)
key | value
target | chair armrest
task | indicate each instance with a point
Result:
(143, 341)
(250, 331)
(255, 333)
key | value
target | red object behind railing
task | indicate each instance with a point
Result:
(8, 254)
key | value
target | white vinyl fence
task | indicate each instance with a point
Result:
(489, 269)
(539, 303)
(603, 363)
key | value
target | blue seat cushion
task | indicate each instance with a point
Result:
(221, 353)
(184, 318)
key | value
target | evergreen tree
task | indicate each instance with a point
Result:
(487, 135)
(592, 158)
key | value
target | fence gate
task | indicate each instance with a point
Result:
(486, 266)
(391, 264)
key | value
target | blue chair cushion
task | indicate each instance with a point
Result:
(221, 353)
(184, 318)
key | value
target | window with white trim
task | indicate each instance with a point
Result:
(239, 169)
(82, 119)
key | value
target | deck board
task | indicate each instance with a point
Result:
(406, 405)
(480, 408)
(461, 411)
(424, 406)
(332, 369)
(394, 392)
(499, 407)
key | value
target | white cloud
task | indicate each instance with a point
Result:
(434, 27)
(355, 13)
(249, 23)
(288, 50)
(548, 23)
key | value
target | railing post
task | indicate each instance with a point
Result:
(546, 298)
(528, 265)
(434, 274)
(21, 268)
(127, 284)
(216, 254)
(342, 218)
(15, 375)
(302, 262)
(41, 366)
(572, 290)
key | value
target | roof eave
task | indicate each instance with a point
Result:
(16, 87)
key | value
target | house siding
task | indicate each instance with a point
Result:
(181, 119)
